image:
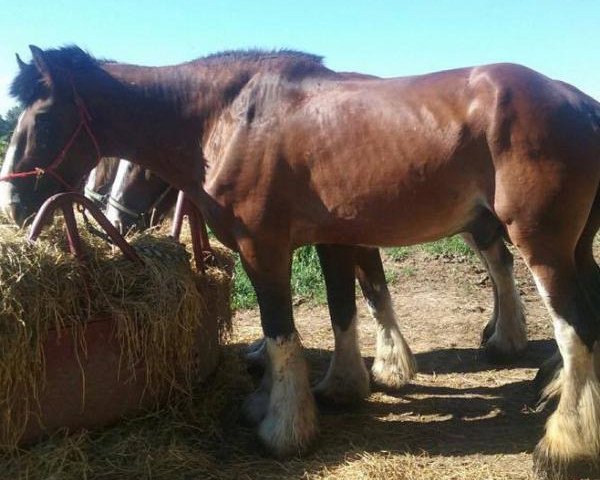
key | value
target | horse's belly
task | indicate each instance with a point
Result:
(404, 217)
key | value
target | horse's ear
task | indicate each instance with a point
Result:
(39, 60)
(49, 75)
(20, 62)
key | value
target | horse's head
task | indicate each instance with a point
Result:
(53, 146)
(100, 180)
(138, 198)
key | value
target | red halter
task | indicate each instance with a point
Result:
(84, 124)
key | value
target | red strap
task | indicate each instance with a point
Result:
(84, 122)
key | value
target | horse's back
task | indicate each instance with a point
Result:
(426, 151)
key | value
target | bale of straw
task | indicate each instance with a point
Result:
(157, 310)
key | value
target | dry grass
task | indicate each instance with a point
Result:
(174, 442)
(157, 306)
(461, 418)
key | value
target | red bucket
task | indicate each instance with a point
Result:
(84, 388)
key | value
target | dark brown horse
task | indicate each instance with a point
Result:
(279, 151)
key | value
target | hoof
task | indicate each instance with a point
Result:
(341, 392)
(394, 364)
(391, 377)
(255, 407)
(256, 356)
(290, 424)
(284, 435)
(395, 372)
(547, 467)
(504, 337)
(347, 379)
(502, 353)
(570, 447)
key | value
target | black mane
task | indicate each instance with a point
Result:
(29, 85)
(291, 63)
(259, 54)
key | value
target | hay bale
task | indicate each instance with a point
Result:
(156, 311)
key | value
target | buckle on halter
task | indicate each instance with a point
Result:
(39, 173)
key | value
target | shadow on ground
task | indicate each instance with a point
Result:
(468, 360)
(444, 420)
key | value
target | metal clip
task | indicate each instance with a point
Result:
(39, 173)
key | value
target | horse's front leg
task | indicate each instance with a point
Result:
(283, 406)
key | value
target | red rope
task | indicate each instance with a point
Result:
(84, 123)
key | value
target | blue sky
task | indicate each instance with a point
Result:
(558, 38)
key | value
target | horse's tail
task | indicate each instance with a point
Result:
(588, 271)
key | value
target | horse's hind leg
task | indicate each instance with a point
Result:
(573, 430)
(549, 378)
(284, 405)
(394, 363)
(347, 379)
(505, 335)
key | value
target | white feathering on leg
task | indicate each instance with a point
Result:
(347, 379)
(290, 424)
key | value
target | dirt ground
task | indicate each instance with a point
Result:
(461, 418)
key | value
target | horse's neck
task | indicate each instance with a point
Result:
(182, 93)
(157, 115)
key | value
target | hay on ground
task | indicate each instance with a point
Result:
(158, 307)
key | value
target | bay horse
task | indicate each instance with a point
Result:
(138, 199)
(96, 188)
(279, 151)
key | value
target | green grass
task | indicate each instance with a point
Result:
(242, 296)
(398, 253)
(3, 148)
(408, 271)
(451, 246)
(307, 281)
